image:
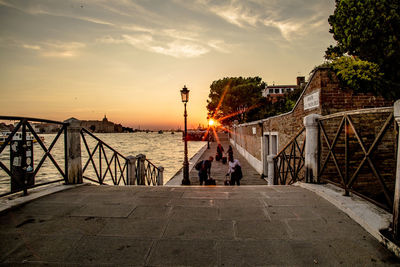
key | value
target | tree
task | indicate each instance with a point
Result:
(359, 75)
(369, 30)
(241, 99)
(230, 98)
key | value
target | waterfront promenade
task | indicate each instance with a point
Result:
(219, 170)
(186, 226)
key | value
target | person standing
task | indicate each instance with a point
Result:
(204, 168)
(230, 151)
(235, 171)
(220, 150)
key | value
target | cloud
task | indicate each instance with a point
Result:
(61, 49)
(33, 47)
(220, 46)
(293, 19)
(237, 15)
(180, 49)
(174, 48)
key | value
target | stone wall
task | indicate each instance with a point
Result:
(331, 99)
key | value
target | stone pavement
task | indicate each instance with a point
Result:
(185, 226)
(219, 170)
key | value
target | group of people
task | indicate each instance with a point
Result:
(234, 174)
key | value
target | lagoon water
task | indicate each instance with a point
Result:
(161, 149)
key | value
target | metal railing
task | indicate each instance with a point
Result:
(289, 162)
(152, 173)
(359, 154)
(22, 177)
(104, 165)
(108, 169)
(109, 166)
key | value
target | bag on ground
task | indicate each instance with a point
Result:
(210, 181)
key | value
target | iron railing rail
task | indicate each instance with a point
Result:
(151, 173)
(109, 166)
(341, 147)
(117, 173)
(290, 161)
(25, 127)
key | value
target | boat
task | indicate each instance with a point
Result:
(160, 132)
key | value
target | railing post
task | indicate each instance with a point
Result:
(73, 152)
(396, 204)
(130, 180)
(311, 149)
(141, 169)
(271, 169)
(160, 176)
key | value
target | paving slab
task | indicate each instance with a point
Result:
(100, 250)
(256, 253)
(261, 230)
(56, 250)
(104, 210)
(195, 252)
(186, 226)
(131, 227)
(200, 229)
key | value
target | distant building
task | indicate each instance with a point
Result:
(103, 126)
(275, 91)
(46, 127)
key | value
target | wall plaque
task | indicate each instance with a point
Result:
(311, 100)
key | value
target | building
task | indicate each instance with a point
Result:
(273, 92)
(103, 126)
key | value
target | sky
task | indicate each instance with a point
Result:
(129, 59)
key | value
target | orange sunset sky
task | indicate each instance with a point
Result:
(129, 59)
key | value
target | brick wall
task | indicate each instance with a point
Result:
(368, 125)
(331, 98)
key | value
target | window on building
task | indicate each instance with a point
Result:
(277, 91)
(270, 91)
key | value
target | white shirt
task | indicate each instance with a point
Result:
(232, 165)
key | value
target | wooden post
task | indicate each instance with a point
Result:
(396, 204)
(160, 176)
(73, 148)
(130, 180)
(311, 149)
(141, 180)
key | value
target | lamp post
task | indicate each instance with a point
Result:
(185, 99)
(210, 124)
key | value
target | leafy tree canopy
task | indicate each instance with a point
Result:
(230, 96)
(357, 74)
(241, 99)
(370, 30)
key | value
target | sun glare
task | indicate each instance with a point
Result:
(211, 122)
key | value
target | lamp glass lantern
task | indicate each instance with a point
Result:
(185, 94)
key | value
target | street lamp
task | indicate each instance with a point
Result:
(185, 99)
(210, 124)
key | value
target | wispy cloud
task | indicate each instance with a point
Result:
(220, 46)
(181, 49)
(33, 47)
(61, 50)
(293, 19)
(175, 48)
